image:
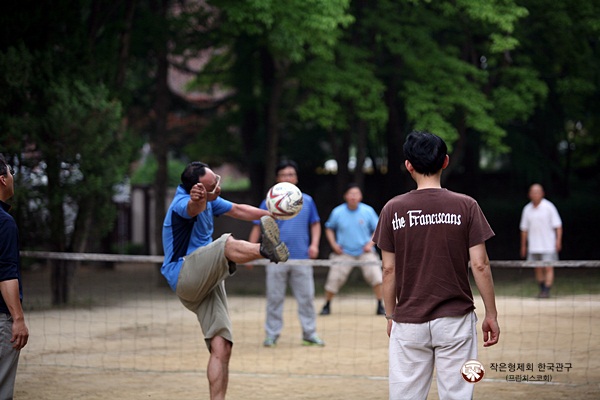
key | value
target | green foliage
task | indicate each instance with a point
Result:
(63, 122)
(145, 173)
(489, 76)
(331, 94)
(519, 92)
(81, 132)
(445, 85)
(559, 43)
(219, 143)
(292, 30)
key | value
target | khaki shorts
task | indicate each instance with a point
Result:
(416, 349)
(338, 274)
(201, 288)
(542, 256)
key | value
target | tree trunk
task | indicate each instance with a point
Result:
(395, 155)
(61, 272)
(361, 153)
(61, 283)
(274, 85)
(159, 137)
(343, 174)
(125, 41)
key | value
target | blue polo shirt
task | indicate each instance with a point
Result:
(183, 234)
(10, 261)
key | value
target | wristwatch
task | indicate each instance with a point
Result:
(388, 317)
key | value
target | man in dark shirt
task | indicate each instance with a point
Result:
(427, 237)
(13, 330)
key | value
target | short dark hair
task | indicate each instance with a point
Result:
(3, 165)
(284, 164)
(425, 151)
(352, 185)
(192, 173)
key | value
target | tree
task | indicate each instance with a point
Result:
(446, 66)
(344, 97)
(262, 46)
(560, 42)
(63, 125)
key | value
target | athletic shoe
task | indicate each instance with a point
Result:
(270, 342)
(271, 246)
(544, 294)
(380, 309)
(325, 310)
(314, 340)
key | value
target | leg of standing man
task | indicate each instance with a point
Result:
(544, 275)
(277, 276)
(336, 279)
(303, 288)
(545, 278)
(9, 357)
(373, 275)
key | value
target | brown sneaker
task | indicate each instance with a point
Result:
(271, 246)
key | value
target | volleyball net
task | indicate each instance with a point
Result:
(125, 318)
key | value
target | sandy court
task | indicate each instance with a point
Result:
(130, 338)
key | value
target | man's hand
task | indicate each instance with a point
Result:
(198, 200)
(491, 331)
(313, 251)
(198, 193)
(20, 335)
(337, 249)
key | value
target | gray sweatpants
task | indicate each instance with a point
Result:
(303, 288)
(9, 358)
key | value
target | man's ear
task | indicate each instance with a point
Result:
(3, 180)
(446, 161)
(409, 166)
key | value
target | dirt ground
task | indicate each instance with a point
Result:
(128, 337)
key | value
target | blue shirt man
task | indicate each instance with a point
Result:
(302, 235)
(349, 230)
(196, 267)
(182, 233)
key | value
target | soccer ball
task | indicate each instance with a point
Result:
(284, 200)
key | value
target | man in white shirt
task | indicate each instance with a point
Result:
(541, 236)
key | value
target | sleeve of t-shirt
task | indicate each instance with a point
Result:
(383, 236)
(314, 214)
(373, 219)
(479, 230)
(180, 206)
(556, 221)
(220, 206)
(331, 222)
(523, 223)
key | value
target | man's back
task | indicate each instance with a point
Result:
(430, 232)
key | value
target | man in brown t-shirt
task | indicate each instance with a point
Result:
(427, 237)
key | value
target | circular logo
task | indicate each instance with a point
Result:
(472, 371)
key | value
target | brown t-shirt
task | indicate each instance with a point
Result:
(430, 232)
